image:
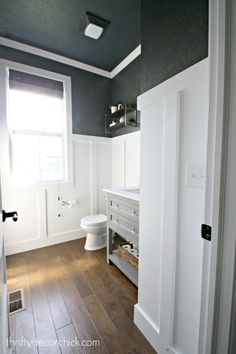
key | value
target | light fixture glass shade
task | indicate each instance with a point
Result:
(93, 31)
(93, 26)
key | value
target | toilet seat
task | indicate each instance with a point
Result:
(94, 220)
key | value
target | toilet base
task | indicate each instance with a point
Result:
(95, 242)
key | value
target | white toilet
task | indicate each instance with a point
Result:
(96, 227)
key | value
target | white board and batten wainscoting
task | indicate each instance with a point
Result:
(173, 146)
(97, 163)
(174, 118)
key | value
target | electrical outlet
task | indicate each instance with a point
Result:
(195, 174)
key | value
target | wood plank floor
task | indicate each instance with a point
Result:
(75, 303)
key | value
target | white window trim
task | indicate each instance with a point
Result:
(5, 66)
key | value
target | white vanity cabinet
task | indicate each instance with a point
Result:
(123, 219)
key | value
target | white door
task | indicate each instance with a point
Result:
(174, 129)
(4, 324)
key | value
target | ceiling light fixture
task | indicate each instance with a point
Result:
(93, 26)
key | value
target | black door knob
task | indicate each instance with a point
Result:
(12, 214)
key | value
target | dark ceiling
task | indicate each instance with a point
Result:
(54, 25)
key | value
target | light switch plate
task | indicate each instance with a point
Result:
(195, 174)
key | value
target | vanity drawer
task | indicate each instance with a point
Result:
(124, 207)
(125, 227)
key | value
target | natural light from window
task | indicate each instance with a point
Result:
(36, 123)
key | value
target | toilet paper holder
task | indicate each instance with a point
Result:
(69, 203)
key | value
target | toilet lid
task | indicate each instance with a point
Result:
(94, 220)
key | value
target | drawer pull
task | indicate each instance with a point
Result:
(132, 229)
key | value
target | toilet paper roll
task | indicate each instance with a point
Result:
(134, 251)
(127, 247)
(72, 203)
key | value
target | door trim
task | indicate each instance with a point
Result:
(225, 305)
(215, 312)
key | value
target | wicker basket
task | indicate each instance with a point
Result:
(127, 256)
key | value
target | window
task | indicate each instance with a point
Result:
(37, 124)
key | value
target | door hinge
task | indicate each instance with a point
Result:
(206, 232)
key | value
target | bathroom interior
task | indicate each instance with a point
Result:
(104, 125)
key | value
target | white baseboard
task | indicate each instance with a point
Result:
(150, 330)
(27, 245)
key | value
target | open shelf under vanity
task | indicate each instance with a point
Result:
(122, 225)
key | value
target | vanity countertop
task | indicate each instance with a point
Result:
(130, 193)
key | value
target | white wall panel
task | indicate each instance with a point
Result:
(118, 163)
(104, 173)
(174, 129)
(26, 204)
(152, 229)
(42, 213)
(191, 202)
(126, 160)
(132, 160)
(83, 173)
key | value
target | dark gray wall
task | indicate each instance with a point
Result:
(174, 36)
(91, 94)
(126, 85)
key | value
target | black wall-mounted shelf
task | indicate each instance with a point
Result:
(125, 117)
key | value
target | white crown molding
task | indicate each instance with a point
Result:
(71, 62)
(56, 57)
(133, 55)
